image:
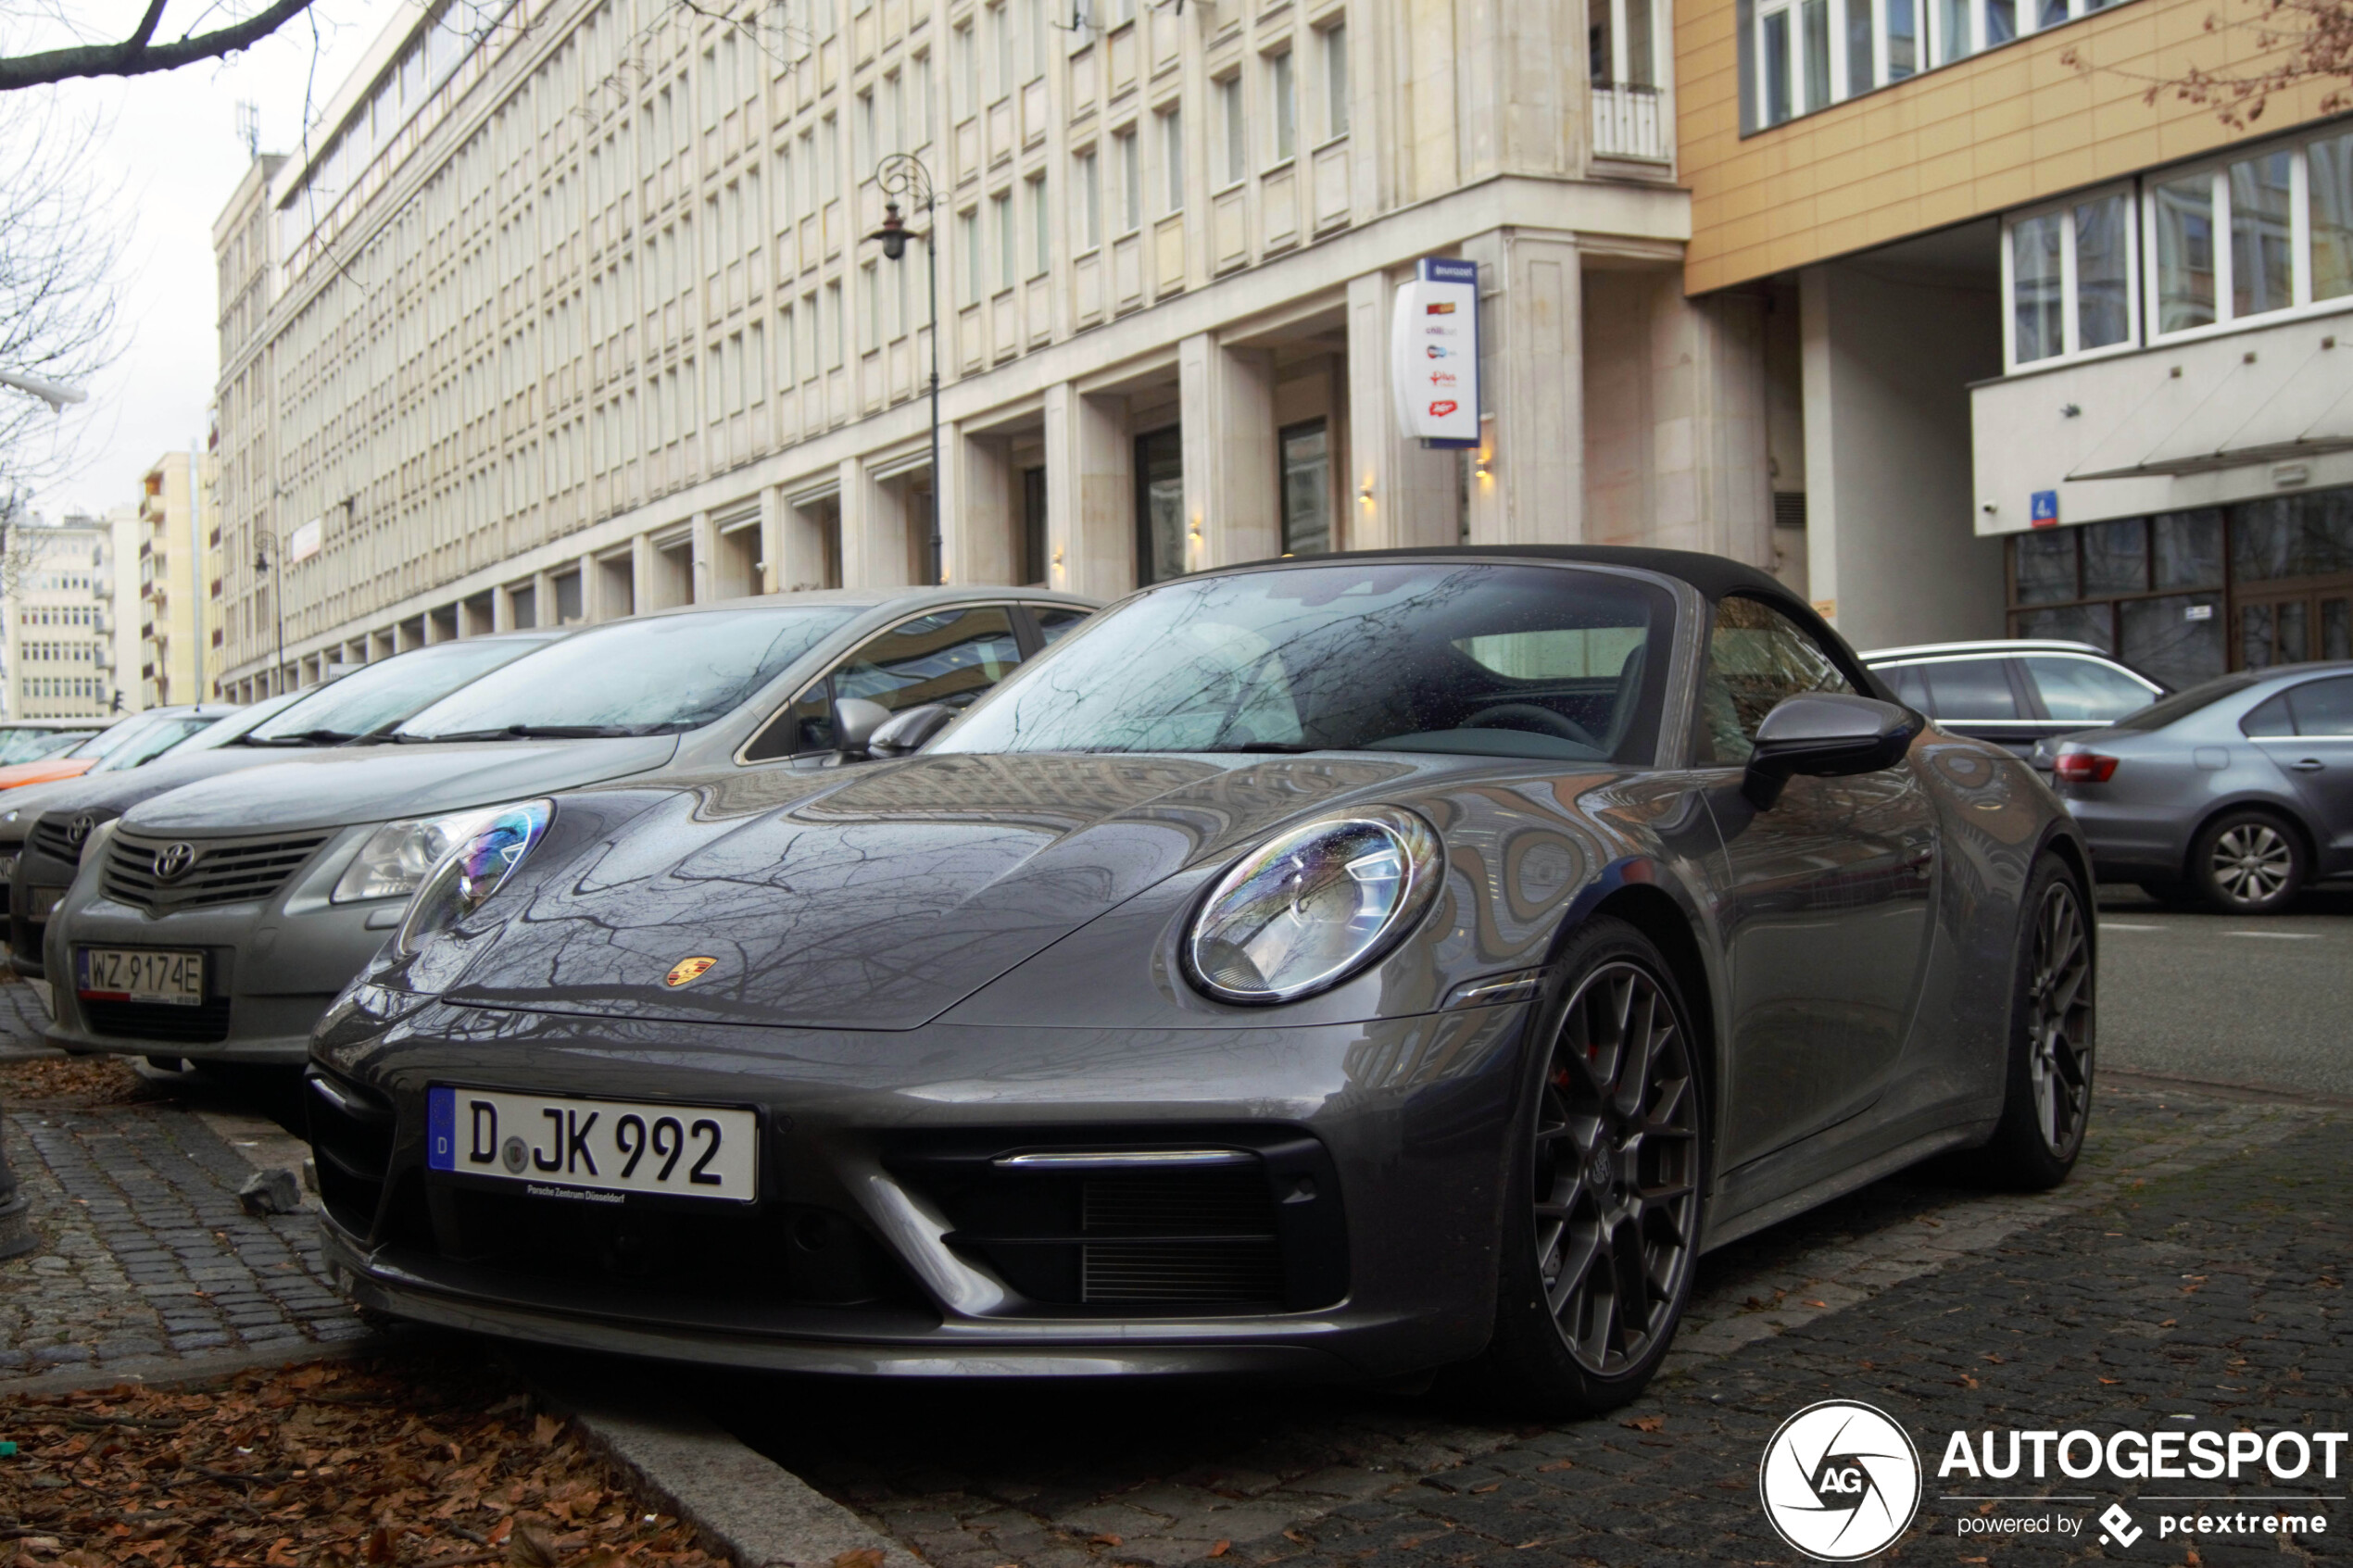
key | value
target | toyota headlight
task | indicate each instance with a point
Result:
(478, 866)
(1313, 906)
(397, 856)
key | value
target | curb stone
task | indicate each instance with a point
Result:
(759, 1512)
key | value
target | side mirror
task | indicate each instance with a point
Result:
(855, 722)
(1825, 734)
(910, 728)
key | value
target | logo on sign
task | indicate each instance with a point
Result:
(1439, 308)
(1442, 408)
(1442, 378)
(1437, 351)
(79, 829)
(172, 861)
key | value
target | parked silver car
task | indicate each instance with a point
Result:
(217, 922)
(2015, 691)
(42, 839)
(2237, 793)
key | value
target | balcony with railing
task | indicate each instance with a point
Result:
(1629, 121)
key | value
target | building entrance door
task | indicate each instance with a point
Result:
(1159, 505)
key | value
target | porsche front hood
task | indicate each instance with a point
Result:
(883, 900)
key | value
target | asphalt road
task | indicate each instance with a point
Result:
(2254, 1003)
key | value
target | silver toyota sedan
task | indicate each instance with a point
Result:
(216, 922)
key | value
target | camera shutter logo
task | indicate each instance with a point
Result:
(173, 859)
(1840, 1481)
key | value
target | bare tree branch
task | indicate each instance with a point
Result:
(139, 55)
(2304, 41)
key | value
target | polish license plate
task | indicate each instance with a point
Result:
(139, 975)
(593, 1150)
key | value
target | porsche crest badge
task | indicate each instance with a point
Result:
(685, 971)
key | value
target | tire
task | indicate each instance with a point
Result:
(2248, 862)
(2046, 1078)
(1607, 1178)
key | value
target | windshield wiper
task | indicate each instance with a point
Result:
(307, 737)
(524, 731)
(1284, 747)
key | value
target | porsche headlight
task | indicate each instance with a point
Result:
(399, 854)
(1313, 906)
(473, 871)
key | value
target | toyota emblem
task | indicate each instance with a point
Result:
(172, 861)
(79, 829)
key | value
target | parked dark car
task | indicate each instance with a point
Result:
(2237, 793)
(2017, 692)
(1330, 968)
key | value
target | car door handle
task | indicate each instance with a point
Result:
(2307, 765)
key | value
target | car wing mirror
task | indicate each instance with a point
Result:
(910, 728)
(1825, 734)
(855, 722)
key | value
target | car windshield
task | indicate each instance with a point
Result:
(1480, 658)
(375, 697)
(156, 739)
(106, 742)
(657, 675)
(31, 745)
(2182, 704)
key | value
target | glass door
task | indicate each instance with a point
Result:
(1159, 505)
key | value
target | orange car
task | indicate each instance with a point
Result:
(126, 744)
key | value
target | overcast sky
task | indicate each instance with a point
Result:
(172, 144)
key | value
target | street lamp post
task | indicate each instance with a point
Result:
(904, 174)
(264, 561)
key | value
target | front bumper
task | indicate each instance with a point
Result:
(272, 966)
(1355, 1233)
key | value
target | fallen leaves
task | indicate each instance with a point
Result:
(860, 1557)
(1556, 1464)
(74, 1081)
(1645, 1423)
(425, 1463)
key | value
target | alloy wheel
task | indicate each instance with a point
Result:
(2252, 861)
(2058, 1019)
(1616, 1198)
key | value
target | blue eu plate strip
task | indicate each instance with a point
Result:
(441, 1128)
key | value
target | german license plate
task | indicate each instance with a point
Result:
(590, 1149)
(139, 975)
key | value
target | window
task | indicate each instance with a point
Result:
(2069, 272)
(1090, 201)
(1235, 137)
(1801, 55)
(1034, 28)
(1001, 50)
(870, 298)
(968, 242)
(2261, 269)
(1283, 109)
(950, 658)
(2324, 708)
(1756, 656)
(1307, 489)
(834, 333)
(1131, 181)
(923, 100)
(1001, 217)
(2074, 688)
(961, 60)
(2329, 177)
(1335, 45)
(2252, 236)
(1171, 156)
(1041, 228)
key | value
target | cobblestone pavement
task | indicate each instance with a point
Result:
(1946, 1308)
(145, 1251)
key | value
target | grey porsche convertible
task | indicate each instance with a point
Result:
(1333, 968)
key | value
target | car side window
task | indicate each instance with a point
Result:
(1756, 656)
(1054, 619)
(2269, 718)
(2084, 688)
(1967, 689)
(951, 656)
(1909, 682)
(2324, 708)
